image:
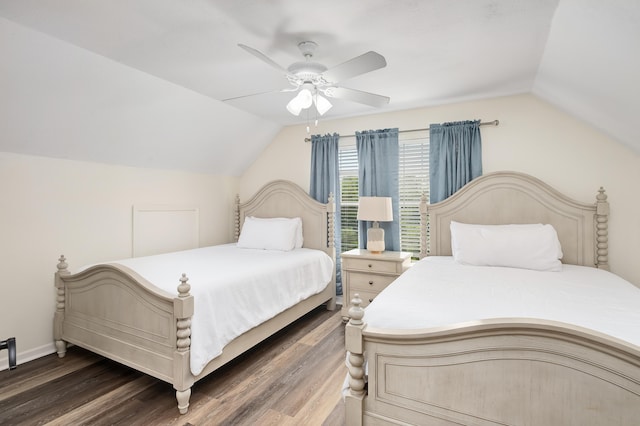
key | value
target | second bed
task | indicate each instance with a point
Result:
(142, 313)
(491, 328)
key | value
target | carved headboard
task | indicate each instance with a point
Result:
(515, 198)
(281, 198)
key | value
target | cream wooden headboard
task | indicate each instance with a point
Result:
(514, 198)
(281, 198)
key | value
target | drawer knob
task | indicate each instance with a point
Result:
(370, 282)
(370, 265)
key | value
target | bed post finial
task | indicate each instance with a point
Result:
(236, 218)
(184, 287)
(423, 225)
(62, 265)
(356, 313)
(602, 230)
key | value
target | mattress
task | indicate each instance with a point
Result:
(234, 289)
(437, 292)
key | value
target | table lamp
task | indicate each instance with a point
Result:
(375, 209)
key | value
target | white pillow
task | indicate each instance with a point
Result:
(271, 233)
(529, 246)
(298, 222)
(299, 236)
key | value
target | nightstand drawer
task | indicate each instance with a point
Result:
(369, 282)
(366, 296)
(371, 265)
(368, 274)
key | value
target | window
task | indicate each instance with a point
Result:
(413, 182)
(348, 159)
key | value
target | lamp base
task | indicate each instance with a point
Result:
(375, 239)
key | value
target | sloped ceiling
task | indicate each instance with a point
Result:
(142, 82)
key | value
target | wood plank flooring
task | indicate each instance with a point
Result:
(293, 378)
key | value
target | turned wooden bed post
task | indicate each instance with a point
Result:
(61, 346)
(354, 398)
(423, 225)
(602, 230)
(331, 246)
(183, 379)
(331, 211)
(236, 219)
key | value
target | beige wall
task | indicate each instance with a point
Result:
(49, 207)
(533, 137)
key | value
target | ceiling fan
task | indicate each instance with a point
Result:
(312, 80)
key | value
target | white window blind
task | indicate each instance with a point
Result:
(348, 160)
(413, 182)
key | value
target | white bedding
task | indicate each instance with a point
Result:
(436, 292)
(234, 289)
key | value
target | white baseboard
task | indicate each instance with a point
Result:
(26, 356)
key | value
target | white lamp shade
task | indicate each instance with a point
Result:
(305, 98)
(322, 104)
(294, 106)
(375, 209)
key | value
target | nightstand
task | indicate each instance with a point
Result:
(368, 274)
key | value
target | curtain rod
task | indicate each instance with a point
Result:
(486, 123)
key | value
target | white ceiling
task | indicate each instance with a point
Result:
(581, 55)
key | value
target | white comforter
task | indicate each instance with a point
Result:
(235, 289)
(437, 292)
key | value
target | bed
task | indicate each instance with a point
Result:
(517, 364)
(115, 311)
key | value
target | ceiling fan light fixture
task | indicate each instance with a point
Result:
(322, 104)
(303, 100)
(294, 106)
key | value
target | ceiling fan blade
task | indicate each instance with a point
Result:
(263, 58)
(293, 89)
(359, 96)
(362, 64)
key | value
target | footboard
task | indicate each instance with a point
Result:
(517, 371)
(113, 311)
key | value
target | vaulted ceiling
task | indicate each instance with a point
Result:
(580, 55)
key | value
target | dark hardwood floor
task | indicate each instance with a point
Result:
(293, 378)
